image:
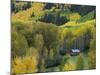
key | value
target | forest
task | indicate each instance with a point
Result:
(52, 37)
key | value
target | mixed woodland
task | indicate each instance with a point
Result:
(44, 34)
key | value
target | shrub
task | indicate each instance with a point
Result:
(69, 66)
(92, 59)
(80, 63)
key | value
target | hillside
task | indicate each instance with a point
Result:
(44, 36)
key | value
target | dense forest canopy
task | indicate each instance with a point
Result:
(43, 35)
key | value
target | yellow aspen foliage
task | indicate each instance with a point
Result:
(71, 23)
(74, 17)
(22, 15)
(63, 32)
(79, 32)
(27, 64)
(38, 8)
(25, 15)
(30, 63)
(18, 66)
(69, 66)
(88, 25)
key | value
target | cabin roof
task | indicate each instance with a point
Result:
(75, 50)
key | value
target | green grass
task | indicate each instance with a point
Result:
(85, 58)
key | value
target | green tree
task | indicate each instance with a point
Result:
(38, 41)
(54, 17)
(39, 45)
(88, 16)
(49, 33)
(19, 44)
